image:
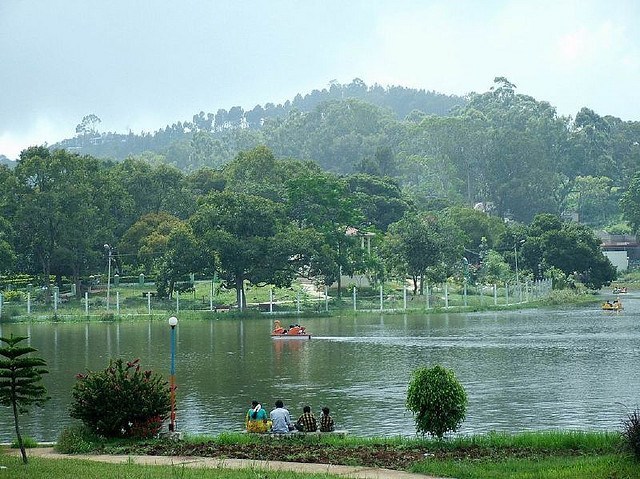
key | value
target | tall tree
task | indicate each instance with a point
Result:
(249, 239)
(422, 246)
(20, 377)
(61, 212)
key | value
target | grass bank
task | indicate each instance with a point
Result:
(526, 455)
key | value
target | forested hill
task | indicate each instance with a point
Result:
(504, 151)
(401, 102)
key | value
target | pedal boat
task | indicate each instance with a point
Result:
(294, 332)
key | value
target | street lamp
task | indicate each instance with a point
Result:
(108, 248)
(515, 250)
(173, 321)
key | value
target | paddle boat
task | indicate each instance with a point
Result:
(620, 290)
(295, 331)
(615, 305)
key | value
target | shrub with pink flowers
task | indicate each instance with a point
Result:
(121, 401)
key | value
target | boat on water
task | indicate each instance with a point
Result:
(294, 331)
(620, 290)
(615, 305)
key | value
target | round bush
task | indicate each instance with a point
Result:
(437, 400)
(121, 401)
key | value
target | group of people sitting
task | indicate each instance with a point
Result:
(279, 420)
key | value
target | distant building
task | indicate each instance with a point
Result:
(622, 250)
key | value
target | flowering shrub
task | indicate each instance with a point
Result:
(121, 401)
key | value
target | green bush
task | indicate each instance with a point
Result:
(16, 296)
(27, 441)
(77, 439)
(631, 432)
(437, 400)
(121, 401)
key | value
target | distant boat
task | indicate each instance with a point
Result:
(615, 305)
(295, 331)
(620, 290)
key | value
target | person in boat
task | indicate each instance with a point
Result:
(296, 329)
(277, 328)
(256, 418)
(326, 421)
(307, 422)
(280, 419)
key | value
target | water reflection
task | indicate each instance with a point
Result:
(522, 370)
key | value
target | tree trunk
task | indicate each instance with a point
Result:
(18, 435)
(240, 293)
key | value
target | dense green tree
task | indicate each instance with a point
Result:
(630, 203)
(321, 206)
(569, 247)
(476, 225)
(153, 188)
(249, 238)
(378, 198)
(421, 246)
(144, 243)
(61, 214)
(182, 256)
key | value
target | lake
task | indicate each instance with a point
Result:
(573, 369)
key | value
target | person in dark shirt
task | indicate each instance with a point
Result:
(307, 422)
(326, 421)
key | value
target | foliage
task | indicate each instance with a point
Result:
(27, 441)
(17, 296)
(20, 376)
(121, 401)
(569, 247)
(631, 432)
(630, 202)
(437, 400)
(78, 439)
(422, 246)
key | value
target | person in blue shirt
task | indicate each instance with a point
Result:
(280, 419)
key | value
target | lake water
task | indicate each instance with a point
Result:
(525, 370)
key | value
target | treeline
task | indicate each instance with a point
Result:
(505, 152)
(260, 219)
(398, 100)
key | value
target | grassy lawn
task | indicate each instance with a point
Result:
(13, 468)
(581, 467)
(561, 455)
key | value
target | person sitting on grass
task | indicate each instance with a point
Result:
(306, 422)
(326, 421)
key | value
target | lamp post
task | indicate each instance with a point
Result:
(515, 250)
(108, 248)
(173, 321)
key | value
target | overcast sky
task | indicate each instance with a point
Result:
(141, 65)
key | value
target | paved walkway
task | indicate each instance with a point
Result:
(212, 462)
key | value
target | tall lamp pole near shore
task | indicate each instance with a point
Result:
(173, 321)
(109, 251)
(515, 250)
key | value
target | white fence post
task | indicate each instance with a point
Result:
(404, 297)
(446, 295)
(354, 298)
